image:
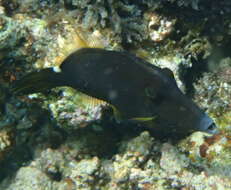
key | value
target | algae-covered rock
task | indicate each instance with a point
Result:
(214, 89)
(171, 160)
(29, 178)
(6, 142)
(160, 167)
(9, 32)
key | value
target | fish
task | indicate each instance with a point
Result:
(137, 90)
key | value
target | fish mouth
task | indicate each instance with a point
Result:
(212, 129)
(207, 125)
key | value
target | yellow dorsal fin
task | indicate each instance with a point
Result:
(93, 40)
(76, 39)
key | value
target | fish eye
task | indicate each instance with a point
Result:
(155, 97)
(150, 93)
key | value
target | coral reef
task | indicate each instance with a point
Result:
(141, 163)
(9, 31)
(159, 28)
(213, 89)
(84, 111)
(63, 140)
(6, 142)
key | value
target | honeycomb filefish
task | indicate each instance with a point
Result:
(138, 90)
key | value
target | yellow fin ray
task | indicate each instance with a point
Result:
(92, 40)
(90, 101)
(143, 119)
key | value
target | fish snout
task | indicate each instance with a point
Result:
(207, 125)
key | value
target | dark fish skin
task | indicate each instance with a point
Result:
(136, 88)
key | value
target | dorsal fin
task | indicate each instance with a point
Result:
(93, 40)
(76, 40)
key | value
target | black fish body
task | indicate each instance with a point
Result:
(137, 89)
